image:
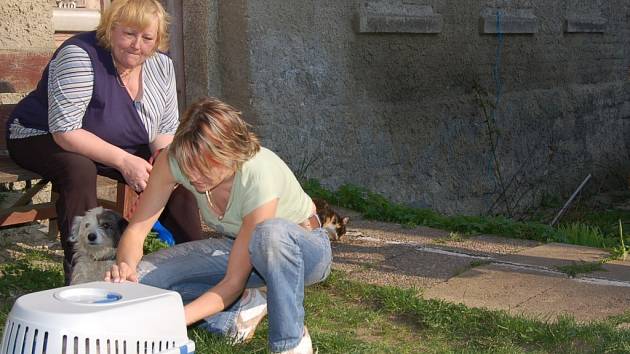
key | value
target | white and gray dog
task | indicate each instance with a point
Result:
(95, 236)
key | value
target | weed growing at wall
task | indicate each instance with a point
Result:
(576, 268)
(376, 207)
(620, 251)
(582, 234)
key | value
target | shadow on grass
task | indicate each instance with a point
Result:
(481, 330)
(24, 276)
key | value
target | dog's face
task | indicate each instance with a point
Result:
(97, 231)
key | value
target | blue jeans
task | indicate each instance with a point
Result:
(285, 257)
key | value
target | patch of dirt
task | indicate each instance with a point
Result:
(14, 241)
(623, 326)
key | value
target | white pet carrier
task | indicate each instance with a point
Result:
(97, 318)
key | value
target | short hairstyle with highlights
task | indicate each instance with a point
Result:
(133, 13)
(212, 132)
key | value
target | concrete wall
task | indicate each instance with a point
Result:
(410, 115)
(200, 52)
(26, 25)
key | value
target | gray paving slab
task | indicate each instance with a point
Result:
(615, 270)
(553, 255)
(521, 278)
(410, 269)
(538, 295)
(356, 255)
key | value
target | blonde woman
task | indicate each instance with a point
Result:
(105, 103)
(273, 237)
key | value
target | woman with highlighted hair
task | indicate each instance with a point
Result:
(105, 104)
(273, 237)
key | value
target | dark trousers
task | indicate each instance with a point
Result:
(73, 177)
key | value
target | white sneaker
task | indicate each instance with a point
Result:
(304, 347)
(253, 310)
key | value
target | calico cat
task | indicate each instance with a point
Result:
(331, 221)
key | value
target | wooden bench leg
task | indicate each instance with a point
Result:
(22, 211)
(27, 213)
(53, 225)
(53, 229)
(125, 199)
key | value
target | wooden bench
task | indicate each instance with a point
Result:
(23, 210)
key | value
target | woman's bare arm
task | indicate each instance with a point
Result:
(161, 141)
(134, 169)
(150, 206)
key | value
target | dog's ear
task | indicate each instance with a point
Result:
(117, 221)
(345, 220)
(74, 231)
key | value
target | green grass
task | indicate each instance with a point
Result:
(479, 263)
(152, 243)
(575, 268)
(620, 251)
(376, 207)
(29, 274)
(344, 316)
(602, 222)
(582, 234)
(606, 219)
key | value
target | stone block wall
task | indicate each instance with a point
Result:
(465, 106)
(26, 42)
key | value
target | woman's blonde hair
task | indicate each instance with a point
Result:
(212, 132)
(133, 13)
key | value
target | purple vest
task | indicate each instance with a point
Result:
(110, 115)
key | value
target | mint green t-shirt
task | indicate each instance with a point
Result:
(260, 179)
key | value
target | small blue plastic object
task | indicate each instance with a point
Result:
(110, 297)
(163, 233)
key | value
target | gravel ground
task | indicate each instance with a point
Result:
(376, 252)
(389, 254)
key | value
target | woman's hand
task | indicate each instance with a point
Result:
(136, 171)
(121, 272)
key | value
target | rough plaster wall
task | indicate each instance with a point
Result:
(234, 27)
(402, 114)
(26, 24)
(200, 48)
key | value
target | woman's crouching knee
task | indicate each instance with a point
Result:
(272, 239)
